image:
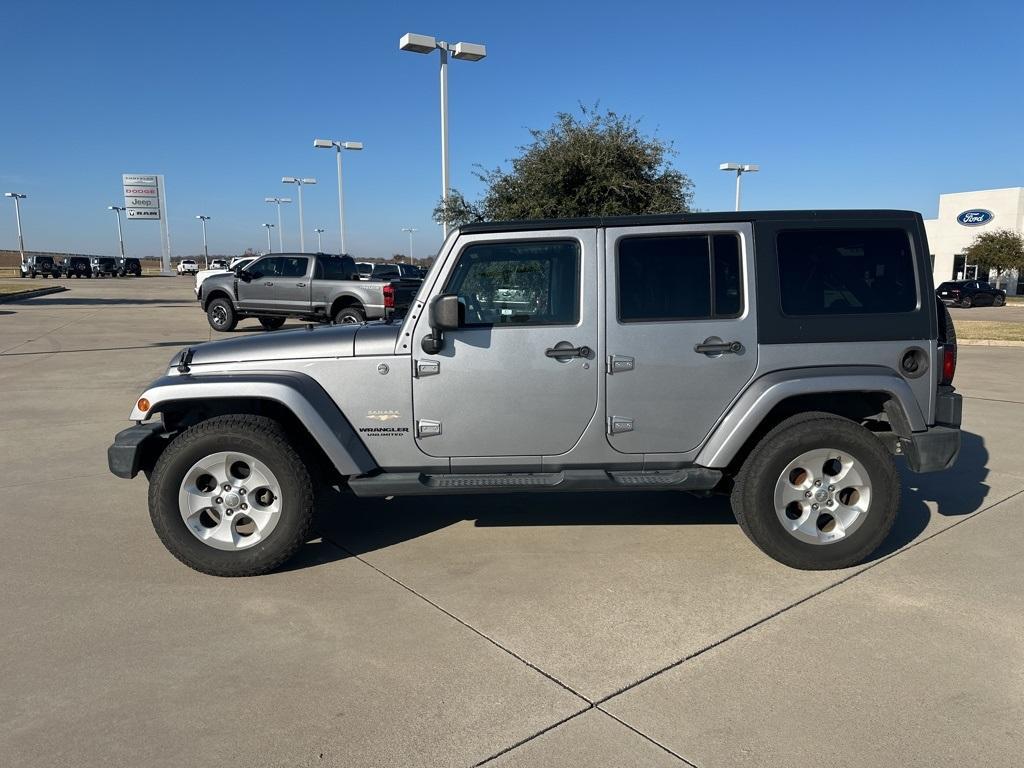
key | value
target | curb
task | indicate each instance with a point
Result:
(988, 343)
(6, 297)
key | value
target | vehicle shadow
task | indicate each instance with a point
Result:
(50, 301)
(353, 526)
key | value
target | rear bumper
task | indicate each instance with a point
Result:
(938, 447)
(131, 446)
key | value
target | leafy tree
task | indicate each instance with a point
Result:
(591, 164)
(1001, 250)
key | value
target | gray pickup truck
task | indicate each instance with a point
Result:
(786, 358)
(306, 286)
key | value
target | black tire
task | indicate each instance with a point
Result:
(349, 315)
(221, 315)
(271, 323)
(969, 302)
(753, 494)
(260, 437)
(998, 301)
(33, 274)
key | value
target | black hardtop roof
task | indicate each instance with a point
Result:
(709, 217)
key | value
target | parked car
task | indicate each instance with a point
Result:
(129, 267)
(740, 353)
(38, 264)
(236, 264)
(188, 267)
(75, 266)
(365, 269)
(395, 272)
(218, 264)
(103, 266)
(970, 293)
(304, 286)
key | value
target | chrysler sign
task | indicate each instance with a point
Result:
(975, 217)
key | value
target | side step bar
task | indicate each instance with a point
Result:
(419, 484)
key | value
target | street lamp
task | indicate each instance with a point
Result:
(465, 51)
(410, 230)
(280, 236)
(120, 235)
(302, 224)
(206, 250)
(270, 248)
(339, 145)
(319, 246)
(17, 215)
(740, 170)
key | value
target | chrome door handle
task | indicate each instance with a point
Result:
(718, 348)
(268, 283)
(300, 285)
(567, 352)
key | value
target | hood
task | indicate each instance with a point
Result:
(313, 341)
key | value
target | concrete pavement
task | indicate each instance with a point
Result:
(601, 629)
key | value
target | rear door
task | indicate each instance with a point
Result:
(681, 332)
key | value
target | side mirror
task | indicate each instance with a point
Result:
(445, 315)
(244, 275)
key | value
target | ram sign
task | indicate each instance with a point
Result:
(141, 196)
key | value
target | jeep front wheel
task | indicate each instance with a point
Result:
(817, 492)
(231, 497)
(221, 315)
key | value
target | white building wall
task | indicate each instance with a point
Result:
(948, 238)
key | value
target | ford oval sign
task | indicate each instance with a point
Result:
(975, 217)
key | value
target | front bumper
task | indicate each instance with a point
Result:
(127, 455)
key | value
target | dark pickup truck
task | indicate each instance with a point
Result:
(305, 286)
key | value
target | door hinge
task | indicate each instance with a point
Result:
(619, 424)
(427, 368)
(427, 428)
(619, 364)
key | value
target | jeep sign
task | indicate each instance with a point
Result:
(975, 217)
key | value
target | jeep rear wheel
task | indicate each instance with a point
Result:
(231, 497)
(221, 315)
(271, 323)
(817, 492)
(348, 316)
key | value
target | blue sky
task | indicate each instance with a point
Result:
(865, 104)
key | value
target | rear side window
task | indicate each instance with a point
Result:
(679, 277)
(846, 271)
(519, 283)
(334, 269)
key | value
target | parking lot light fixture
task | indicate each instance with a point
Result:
(414, 43)
(120, 234)
(319, 246)
(300, 183)
(270, 248)
(16, 196)
(740, 169)
(410, 230)
(206, 250)
(278, 201)
(338, 146)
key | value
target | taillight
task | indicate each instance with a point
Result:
(389, 297)
(948, 364)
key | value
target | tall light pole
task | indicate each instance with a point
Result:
(280, 236)
(319, 246)
(120, 235)
(270, 248)
(740, 170)
(206, 250)
(17, 215)
(338, 146)
(465, 51)
(302, 223)
(410, 230)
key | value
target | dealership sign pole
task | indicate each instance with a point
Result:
(145, 198)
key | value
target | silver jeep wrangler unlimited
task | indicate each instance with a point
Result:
(781, 357)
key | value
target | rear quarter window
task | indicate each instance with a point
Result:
(846, 272)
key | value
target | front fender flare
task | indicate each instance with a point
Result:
(763, 394)
(297, 392)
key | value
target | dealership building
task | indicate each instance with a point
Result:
(962, 217)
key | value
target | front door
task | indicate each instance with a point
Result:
(682, 339)
(276, 284)
(519, 378)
